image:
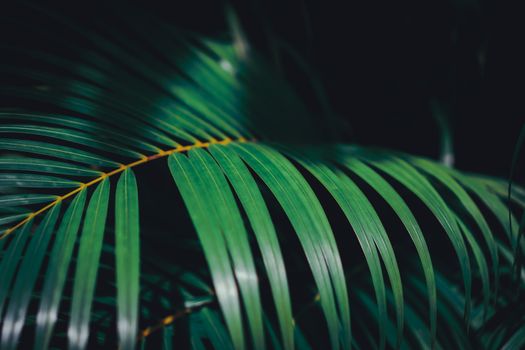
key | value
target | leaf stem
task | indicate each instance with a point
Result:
(121, 168)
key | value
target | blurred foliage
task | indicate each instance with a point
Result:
(181, 181)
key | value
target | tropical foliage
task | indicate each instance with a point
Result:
(305, 244)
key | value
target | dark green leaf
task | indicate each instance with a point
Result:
(87, 266)
(14, 318)
(57, 271)
(127, 258)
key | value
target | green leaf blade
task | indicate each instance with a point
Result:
(470, 206)
(228, 219)
(188, 180)
(420, 186)
(309, 221)
(404, 213)
(127, 258)
(57, 271)
(10, 260)
(45, 166)
(259, 217)
(342, 189)
(15, 316)
(87, 266)
(57, 151)
(16, 180)
(14, 200)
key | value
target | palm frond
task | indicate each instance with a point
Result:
(198, 108)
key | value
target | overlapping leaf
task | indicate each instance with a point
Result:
(116, 107)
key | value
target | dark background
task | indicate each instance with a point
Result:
(381, 64)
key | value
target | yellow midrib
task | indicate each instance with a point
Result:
(161, 154)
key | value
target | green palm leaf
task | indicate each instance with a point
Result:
(191, 102)
(213, 243)
(87, 266)
(415, 182)
(127, 255)
(25, 280)
(409, 221)
(57, 271)
(263, 228)
(311, 228)
(10, 260)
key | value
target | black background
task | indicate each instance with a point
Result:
(381, 63)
